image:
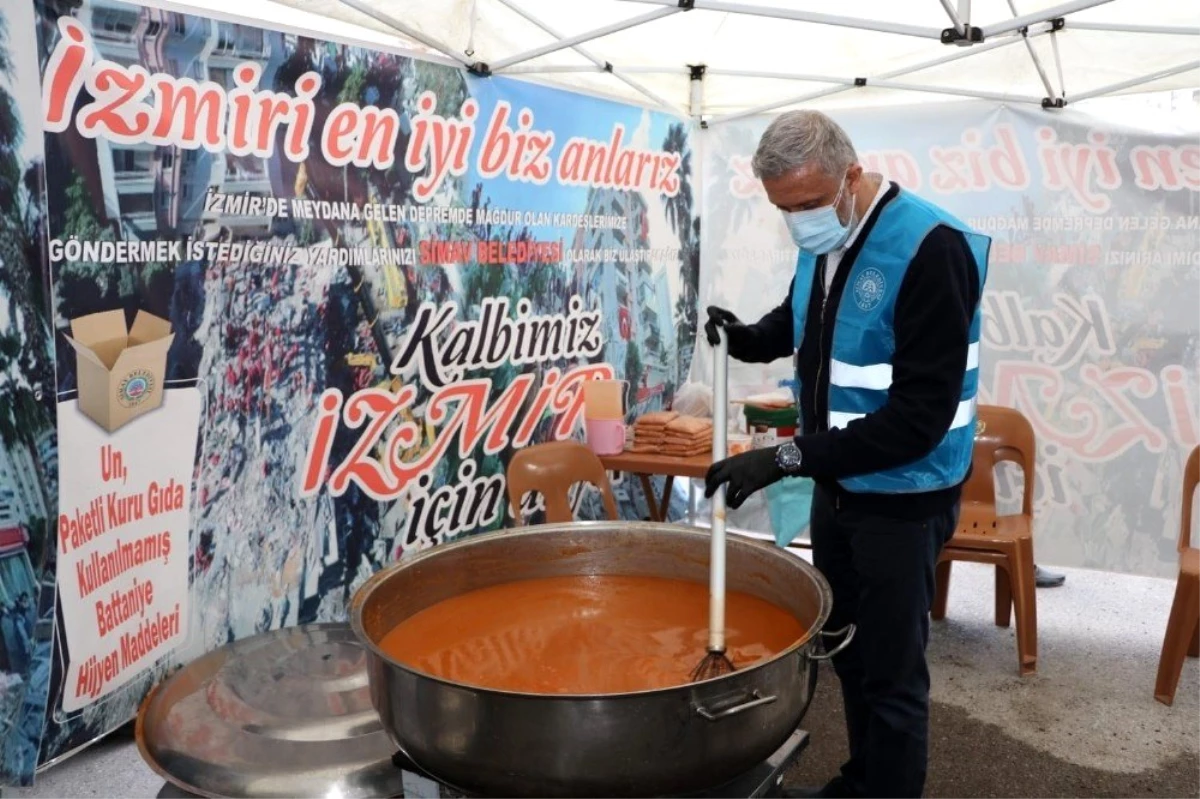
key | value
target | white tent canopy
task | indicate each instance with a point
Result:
(773, 54)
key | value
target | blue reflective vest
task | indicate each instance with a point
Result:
(864, 341)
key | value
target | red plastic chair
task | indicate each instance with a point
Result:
(552, 469)
(1183, 625)
(1006, 542)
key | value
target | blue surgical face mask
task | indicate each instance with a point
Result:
(819, 230)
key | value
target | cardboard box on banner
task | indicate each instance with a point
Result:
(120, 371)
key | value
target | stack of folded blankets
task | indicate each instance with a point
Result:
(687, 437)
(668, 433)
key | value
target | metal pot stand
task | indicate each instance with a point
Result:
(288, 713)
(765, 779)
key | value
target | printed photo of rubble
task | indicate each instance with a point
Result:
(262, 341)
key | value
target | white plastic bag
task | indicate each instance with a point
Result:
(694, 399)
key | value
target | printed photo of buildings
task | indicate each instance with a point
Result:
(28, 444)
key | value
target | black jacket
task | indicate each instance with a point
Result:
(934, 309)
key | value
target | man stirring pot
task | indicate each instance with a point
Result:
(883, 320)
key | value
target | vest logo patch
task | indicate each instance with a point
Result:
(869, 289)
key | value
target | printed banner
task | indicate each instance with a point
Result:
(308, 299)
(1090, 326)
(123, 548)
(28, 445)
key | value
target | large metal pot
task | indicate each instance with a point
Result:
(666, 741)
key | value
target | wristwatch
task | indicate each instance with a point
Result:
(788, 458)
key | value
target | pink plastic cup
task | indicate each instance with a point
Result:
(606, 436)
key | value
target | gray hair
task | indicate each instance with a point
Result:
(802, 137)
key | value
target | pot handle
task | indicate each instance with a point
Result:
(753, 700)
(847, 631)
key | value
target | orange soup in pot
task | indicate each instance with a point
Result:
(584, 634)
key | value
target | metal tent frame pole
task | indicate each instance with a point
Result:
(1170, 30)
(1062, 80)
(580, 38)
(551, 69)
(751, 73)
(953, 92)
(1037, 62)
(1113, 88)
(470, 49)
(409, 31)
(762, 109)
(804, 16)
(961, 32)
(599, 62)
(886, 78)
(654, 70)
(696, 93)
(955, 19)
(1045, 15)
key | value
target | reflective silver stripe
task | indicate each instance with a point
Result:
(973, 356)
(840, 420)
(877, 376)
(962, 416)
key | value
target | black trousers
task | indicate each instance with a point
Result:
(881, 571)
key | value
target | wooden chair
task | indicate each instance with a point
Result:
(1006, 542)
(1183, 626)
(552, 469)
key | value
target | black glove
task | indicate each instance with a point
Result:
(737, 333)
(746, 474)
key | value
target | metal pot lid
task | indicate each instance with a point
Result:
(285, 713)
